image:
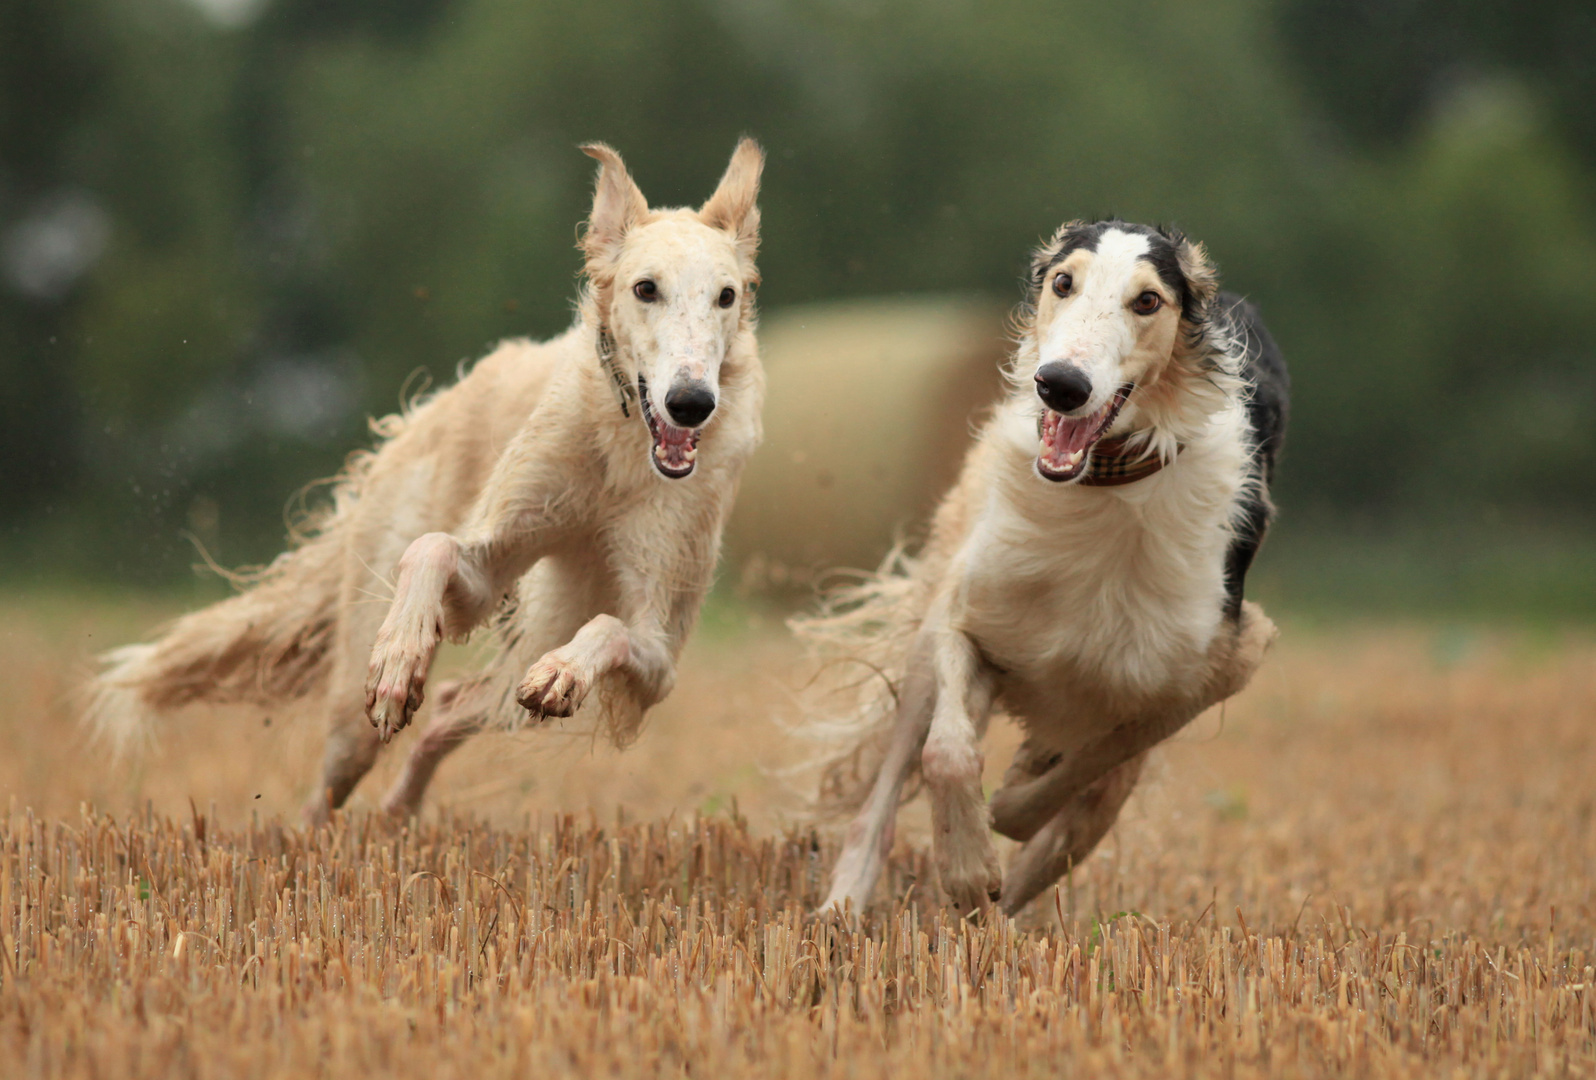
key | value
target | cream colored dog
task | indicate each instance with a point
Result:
(577, 488)
(1084, 574)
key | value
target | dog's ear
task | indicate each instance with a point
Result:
(735, 205)
(1044, 257)
(618, 205)
(1202, 279)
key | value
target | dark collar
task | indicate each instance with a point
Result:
(624, 391)
(1113, 463)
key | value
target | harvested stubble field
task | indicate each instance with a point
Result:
(1378, 862)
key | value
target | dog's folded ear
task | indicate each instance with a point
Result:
(618, 205)
(735, 205)
(1202, 278)
(1064, 239)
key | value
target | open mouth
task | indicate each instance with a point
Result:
(1067, 442)
(675, 449)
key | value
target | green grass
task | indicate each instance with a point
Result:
(1531, 576)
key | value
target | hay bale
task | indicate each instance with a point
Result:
(867, 419)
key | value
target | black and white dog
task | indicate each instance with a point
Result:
(1085, 573)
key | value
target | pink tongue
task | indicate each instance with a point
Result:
(1072, 435)
(676, 442)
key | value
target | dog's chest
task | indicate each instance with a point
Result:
(1107, 601)
(672, 527)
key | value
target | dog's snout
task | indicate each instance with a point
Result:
(689, 404)
(1062, 387)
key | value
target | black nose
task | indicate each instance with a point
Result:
(1062, 387)
(689, 404)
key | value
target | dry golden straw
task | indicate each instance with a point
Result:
(1381, 862)
(162, 948)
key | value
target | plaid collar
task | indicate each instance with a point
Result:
(1112, 463)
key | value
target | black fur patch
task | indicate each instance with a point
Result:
(1163, 255)
(1268, 406)
(1079, 238)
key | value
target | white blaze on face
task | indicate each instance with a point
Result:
(1093, 327)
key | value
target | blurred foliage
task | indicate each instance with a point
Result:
(1378, 65)
(229, 229)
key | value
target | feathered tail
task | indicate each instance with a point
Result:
(861, 638)
(269, 644)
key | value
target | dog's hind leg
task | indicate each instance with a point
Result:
(459, 717)
(1069, 836)
(869, 837)
(350, 752)
(1022, 807)
(373, 546)
(352, 745)
(551, 605)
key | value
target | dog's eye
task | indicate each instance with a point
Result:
(1063, 284)
(646, 291)
(727, 295)
(1147, 302)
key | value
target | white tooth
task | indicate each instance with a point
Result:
(659, 452)
(691, 453)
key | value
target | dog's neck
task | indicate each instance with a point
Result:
(626, 393)
(1196, 385)
(1124, 459)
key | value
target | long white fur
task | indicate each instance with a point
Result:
(1083, 612)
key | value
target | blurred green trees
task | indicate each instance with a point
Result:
(229, 229)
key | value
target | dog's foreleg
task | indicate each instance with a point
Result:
(559, 681)
(447, 586)
(639, 644)
(1069, 836)
(443, 588)
(951, 762)
(869, 838)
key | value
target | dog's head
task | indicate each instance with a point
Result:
(674, 290)
(1115, 309)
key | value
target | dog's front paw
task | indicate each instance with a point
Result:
(553, 687)
(395, 682)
